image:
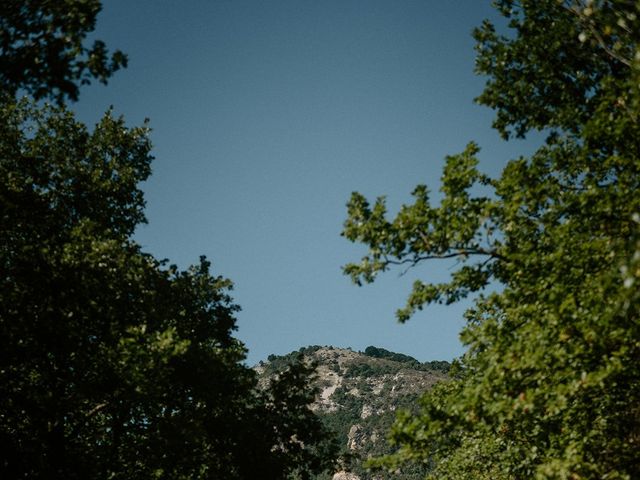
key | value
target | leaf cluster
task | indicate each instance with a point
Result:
(42, 48)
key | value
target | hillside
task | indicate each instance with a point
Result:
(359, 394)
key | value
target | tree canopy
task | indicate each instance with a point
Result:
(550, 383)
(114, 364)
(42, 48)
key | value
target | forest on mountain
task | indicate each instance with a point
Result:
(359, 395)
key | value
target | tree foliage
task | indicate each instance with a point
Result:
(42, 51)
(114, 364)
(434, 365)
(550, 386)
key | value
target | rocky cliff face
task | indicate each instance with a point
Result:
(359, 393)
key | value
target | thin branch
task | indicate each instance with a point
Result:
(419, 258)
(96, 409)
(592, 28)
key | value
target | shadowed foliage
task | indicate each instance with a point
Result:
(42, 51)
(113, 364)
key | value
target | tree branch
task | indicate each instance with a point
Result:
(96, 409)
(492, 254)
(590, 24)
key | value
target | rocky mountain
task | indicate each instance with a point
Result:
(359, 394)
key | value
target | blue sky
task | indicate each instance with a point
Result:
(266, 115)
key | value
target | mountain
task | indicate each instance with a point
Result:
(359, 394)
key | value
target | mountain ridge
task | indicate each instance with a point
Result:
(359, 394)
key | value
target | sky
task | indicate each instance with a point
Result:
(266, 115)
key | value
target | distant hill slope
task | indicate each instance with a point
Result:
(359, 394)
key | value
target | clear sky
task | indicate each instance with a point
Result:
(266, 115)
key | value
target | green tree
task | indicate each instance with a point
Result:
(550, 383)
(42, 51)
(114, 364)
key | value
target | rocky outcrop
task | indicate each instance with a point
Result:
(345, 476)
(358, 397)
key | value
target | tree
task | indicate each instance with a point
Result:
(42, 51)
(114, 364)
(550, 384)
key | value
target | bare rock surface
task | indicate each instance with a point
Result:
(345, 476)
